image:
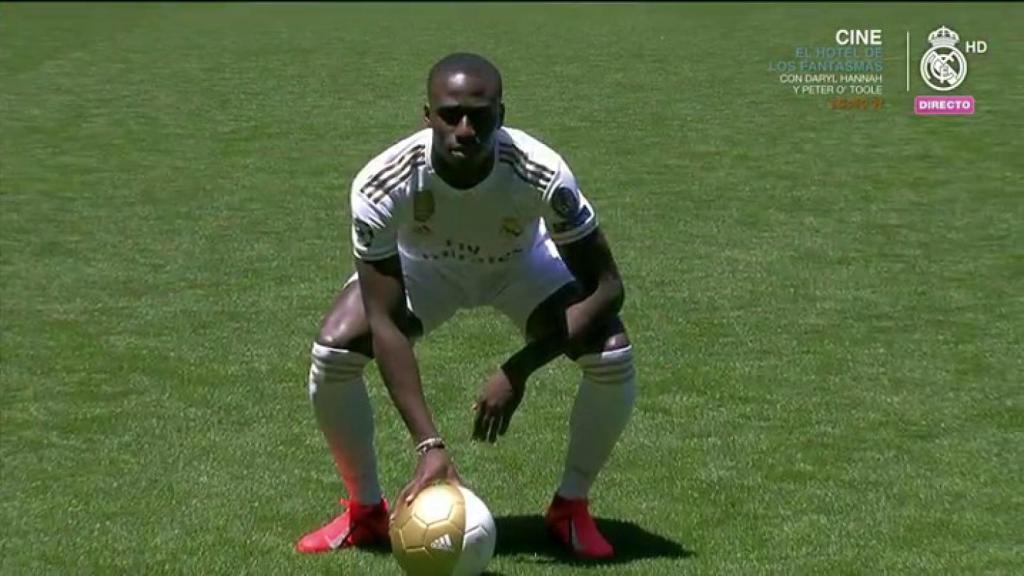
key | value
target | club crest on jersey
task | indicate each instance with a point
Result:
(364, 233)
(423, 205)
(511, 226)
(565, 202)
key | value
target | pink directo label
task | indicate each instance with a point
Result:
(929, 105)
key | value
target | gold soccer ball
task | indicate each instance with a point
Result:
(446, 531)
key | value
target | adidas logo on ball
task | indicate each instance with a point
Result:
(442, 543)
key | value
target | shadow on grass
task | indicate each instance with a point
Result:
(384, 548)
(378, 548)
(527, 535)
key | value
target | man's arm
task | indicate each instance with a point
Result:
(383, 292)
(590, 260)
(562, 329)
(565, 323)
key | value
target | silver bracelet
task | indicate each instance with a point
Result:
(429, 444)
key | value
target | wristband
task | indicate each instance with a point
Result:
(428, 445)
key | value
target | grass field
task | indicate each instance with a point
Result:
(826, 305)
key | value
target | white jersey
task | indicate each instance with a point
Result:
(401, 206)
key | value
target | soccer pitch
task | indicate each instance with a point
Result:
(826, 304)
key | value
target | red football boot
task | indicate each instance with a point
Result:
(359, 525)
(570, 523)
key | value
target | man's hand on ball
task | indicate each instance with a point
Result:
(495, 405)
(433, 466)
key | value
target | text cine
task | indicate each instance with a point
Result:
(859, 37)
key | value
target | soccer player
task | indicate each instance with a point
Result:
(468, 212)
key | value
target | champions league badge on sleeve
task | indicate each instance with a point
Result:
(565, 202)
(363, 233)
(943, 68)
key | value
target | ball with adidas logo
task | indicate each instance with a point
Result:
(446, 531)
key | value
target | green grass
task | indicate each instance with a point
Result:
(826, 305)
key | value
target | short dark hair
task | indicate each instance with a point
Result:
(465, 62)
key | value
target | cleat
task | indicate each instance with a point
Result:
(569, 522)
(359, 525)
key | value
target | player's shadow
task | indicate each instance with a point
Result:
(527, 535)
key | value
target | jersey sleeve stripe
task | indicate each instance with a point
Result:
(537, 181)
(396, 166)
(512, 150)
(378, 193)
(377, 190)
(517, 163)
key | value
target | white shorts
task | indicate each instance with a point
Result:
(435, 291)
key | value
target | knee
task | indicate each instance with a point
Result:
(612, 366)
(607, 337)
(346, 335)
(331, 365)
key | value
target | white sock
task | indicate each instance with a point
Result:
(603, 405)
(342, 406)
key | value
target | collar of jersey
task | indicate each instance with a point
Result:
(481, 185)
